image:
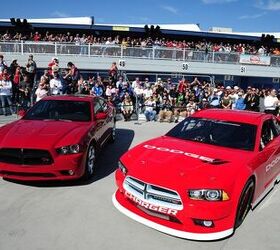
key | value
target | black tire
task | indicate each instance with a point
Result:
(90, 162)
(245, 202)
(112, 138)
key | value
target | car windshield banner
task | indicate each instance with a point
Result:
(255, 59)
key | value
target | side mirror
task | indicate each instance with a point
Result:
(100, 116)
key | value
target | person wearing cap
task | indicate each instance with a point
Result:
(215, 99)
(5, 93)
(271, 103)
(240, 102)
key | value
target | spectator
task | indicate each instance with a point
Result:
(5, 94)
(42, 90)
(31, 68)
(252, 100)
(226, 101)
(150, 113)
(55, 85)
(240, 102)
(113, 72)
(17, 77)
(127, 107)
(25, 93)
(271, 103)
(75, 75)
(165, 113)
(3, 64)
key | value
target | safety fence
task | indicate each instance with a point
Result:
(116, 51)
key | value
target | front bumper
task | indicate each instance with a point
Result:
(181, 223)
(124, 207)
(59, 170)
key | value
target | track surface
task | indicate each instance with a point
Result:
(81, 215)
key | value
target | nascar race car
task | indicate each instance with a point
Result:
(201, 179)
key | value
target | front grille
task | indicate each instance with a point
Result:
(153, 194)
(22, 156)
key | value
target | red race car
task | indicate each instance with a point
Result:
(57, 139)
(200, 179)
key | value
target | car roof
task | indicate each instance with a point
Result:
(70, 97)
(241, 116)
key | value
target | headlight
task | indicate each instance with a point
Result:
(208, 194)
(70, 149)
(122, 167)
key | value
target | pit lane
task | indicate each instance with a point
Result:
(79, 215)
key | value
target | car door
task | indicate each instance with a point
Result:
(98, 120)
(269, 153)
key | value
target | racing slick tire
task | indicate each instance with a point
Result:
(245, 202)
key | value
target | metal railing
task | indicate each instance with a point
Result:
(151, 53)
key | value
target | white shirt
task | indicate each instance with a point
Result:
(56, 86)
(5, 87)
(270, 102)
(40, 94)
(147, 93)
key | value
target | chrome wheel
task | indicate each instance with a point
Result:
(90, 160)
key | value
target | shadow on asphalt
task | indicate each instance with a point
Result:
(106, 163)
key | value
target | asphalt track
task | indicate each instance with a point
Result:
(81, 215)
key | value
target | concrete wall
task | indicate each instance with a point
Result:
(144, 65)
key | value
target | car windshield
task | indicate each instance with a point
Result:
(216, 132)
(60, 110)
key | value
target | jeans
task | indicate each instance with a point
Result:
(150, 115)
(6, 99)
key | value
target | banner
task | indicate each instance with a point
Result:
(255, 59)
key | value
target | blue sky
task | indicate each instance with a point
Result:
(241, 15)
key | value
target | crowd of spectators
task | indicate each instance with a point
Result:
(83, 39)
(162, 100)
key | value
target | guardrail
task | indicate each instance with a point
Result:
(154, 53)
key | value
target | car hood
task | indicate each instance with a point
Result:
(41, 134)
(164, 159)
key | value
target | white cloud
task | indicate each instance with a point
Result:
(59, 14)
(218, 1)
(268, 4)
(170, 9)
(255, 16)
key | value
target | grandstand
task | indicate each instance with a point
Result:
(256, 64)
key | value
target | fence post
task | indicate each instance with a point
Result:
(153, 53)
(184, 54)
(213, 57)
(89, 50)
(21, 46)
(121, 51)
(55, 49)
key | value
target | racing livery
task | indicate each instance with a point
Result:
(201, 179)
(57, 139)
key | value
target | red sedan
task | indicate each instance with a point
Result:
(57, 139)
(200, 179)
